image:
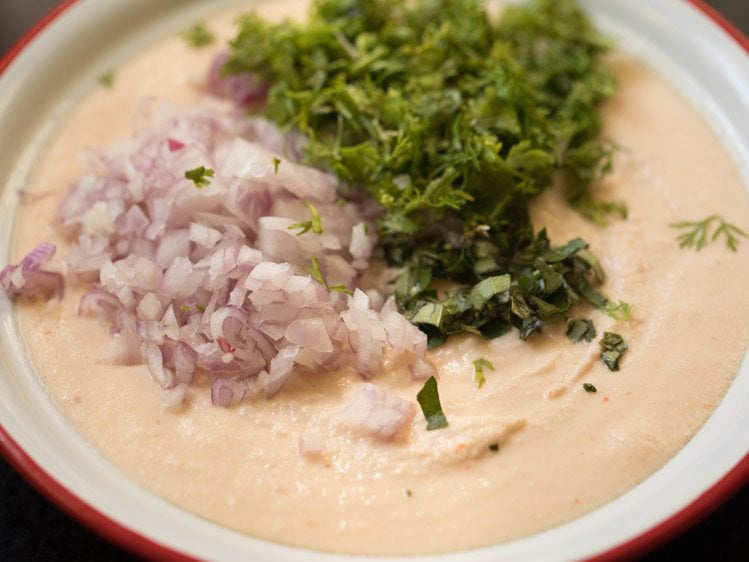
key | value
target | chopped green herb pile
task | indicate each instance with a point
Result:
(199, 176)
(452, 122)
(429, 400)
(612, 349)
(198, 36)
(478, 370)
(581, 329)
(697, 234)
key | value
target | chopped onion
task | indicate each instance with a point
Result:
(215, 278)
(376, 412)
(27, 279)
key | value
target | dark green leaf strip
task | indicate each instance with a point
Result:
(429, 400)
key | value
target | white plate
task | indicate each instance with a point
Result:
(46, 77)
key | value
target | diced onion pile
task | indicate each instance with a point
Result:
(215, 279)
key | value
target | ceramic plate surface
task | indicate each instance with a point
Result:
(48, 73)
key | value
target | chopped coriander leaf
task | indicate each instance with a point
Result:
(429, 400)
(314, 224)
(200, 308)
(184, 308)
(409, 493)
(106, 79)
(341, 289)
(589, 387)
(697, 234)
(494, 447)
(199, 176)
(315, 272)
(478, 370)
(276, 164)
(447, 117)
(621, 310)
(598, 211)
(581, 329)
(198, 36)
(613, 347)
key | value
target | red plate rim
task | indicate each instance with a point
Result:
(118, 533)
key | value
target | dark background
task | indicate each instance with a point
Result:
(31, 529)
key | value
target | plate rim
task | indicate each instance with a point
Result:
(137, 543)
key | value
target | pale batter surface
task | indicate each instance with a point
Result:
(562, 451)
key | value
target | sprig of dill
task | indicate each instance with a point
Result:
(698, 234)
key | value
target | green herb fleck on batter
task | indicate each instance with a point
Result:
(612, 349)
(581, 329)
(198, 36)
(621, 311)
(106, 79)
(698, 234)
(478, 370)
(429, 400)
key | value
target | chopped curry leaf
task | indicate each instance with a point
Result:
(199, 176)
(429, 400)
(198, 36)
(697, 234)
(612, 349)
(581, 329)
(589, 387)
(478, 370)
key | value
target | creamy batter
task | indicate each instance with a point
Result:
(562, 451)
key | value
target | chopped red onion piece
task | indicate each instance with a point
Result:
(27, 279)
(242, 88)
(226, 392)
(422, 369)
(174, 145)
(311, 446)
(376, 412)
(311, 334)
(174, 398)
